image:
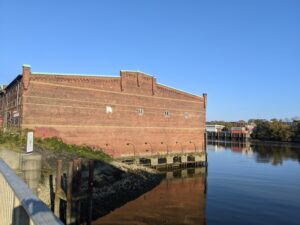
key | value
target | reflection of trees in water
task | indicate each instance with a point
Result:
(264, 152)
(275, 154)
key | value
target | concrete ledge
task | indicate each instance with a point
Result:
(11, 158)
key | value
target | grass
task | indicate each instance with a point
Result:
(17, 142)
(12, 141)
(57, 145)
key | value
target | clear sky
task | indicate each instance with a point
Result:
(244, 53)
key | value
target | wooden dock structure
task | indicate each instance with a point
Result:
(227, 136)
(169, 161)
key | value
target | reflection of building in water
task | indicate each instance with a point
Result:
(179, 199)
(242, 147)
(217, 148)
(248, 151)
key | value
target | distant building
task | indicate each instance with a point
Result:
(2, 87)
(214, 128)
(250, 127)
(238, 130)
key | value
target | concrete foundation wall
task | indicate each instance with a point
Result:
(27, 166)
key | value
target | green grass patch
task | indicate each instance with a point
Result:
(17, 142)
(57, 145)
(12, 141)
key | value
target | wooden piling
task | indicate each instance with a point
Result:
(90, 192)
(77, 190)
(52, 193)
(58, 188)
(69, 216)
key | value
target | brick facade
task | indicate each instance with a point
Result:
(127, 115)
(10, 104)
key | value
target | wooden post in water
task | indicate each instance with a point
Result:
(72, 193)
(90, 192)
(58, 188)
(76, 204)
(69, 217)
(52, 193)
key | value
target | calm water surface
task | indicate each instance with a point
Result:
(243, 185)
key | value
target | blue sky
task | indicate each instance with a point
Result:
(244, 54)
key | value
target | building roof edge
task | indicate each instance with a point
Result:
(73, 74)
(176, 89)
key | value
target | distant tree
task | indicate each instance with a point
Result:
(225, 129)
(274, 120)
(262, 130)
(242, 122)
(251, 121)
(275, 130)
(280, 131)
(296, 131)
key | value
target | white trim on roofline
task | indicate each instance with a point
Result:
(176, 89)
(111, 76)
(74, 74)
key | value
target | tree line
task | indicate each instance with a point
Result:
(287, 130)
(276, 130)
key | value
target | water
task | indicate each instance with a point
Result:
(243, 185)
(253, 185)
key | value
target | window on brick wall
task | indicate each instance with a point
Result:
(109, 109)
(186, 115)
(167, 113)
(140, 111)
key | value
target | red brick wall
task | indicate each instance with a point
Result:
(10, 105)
(74, 108)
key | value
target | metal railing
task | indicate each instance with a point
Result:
(18, 204)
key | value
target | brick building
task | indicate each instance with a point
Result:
(130, 114)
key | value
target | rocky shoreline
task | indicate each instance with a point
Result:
(115, 183)
(129, 185)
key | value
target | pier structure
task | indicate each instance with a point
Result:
(227, 136)
(168, 161)
(185, 173)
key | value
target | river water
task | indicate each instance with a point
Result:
(243, 184)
